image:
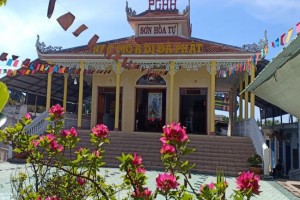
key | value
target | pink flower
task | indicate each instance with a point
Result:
(73, 132)
(97, 153)
(39, 198)
(247, 181)
(144, 193)
(65, 133)
(100, 131)
(166, 182)
(174, 132)
(53, 198)
(35, 143)
(166, 148)
(54, 146)
(211, 186)
(56, 111)
(50, 137)
(141, 170)
(81, 181)
(137, 160)
(27, 116)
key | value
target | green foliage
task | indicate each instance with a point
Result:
(255, 160)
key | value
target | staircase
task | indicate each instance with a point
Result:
(212, 152)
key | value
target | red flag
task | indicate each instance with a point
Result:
(26, 63)
(79, 30)
(298, 27)
(66, 20)
(16, 62)
(273, 44)
(3, 56)
(282, 39)
(93, 41)
(51, 6)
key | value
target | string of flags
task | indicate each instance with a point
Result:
(66, 20)
(285, 37)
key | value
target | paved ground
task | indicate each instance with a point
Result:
(271, 190)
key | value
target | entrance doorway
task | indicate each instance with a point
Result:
(106, 107)
(193, 109)
(150, 109)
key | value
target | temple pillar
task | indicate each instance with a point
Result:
(230, 99)
(212, 97)
(241, 100)
(252, 96)
(246, 96)
(80, 95)
(118, 82)
(49, 88)
(66, 78)
(171, 93)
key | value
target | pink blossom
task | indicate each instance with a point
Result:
(141, 170)
(53, 198)
(39, 198)
(174, 132)
(144, 193)
(65, 133)
(41, 138)
(97, 153)
(166, 148)
(35, 143)
(50, 137)
(73, 132)
(166, 182)
(247, 181)
(137, 160)
(100, 130)
(56, 111)
(211, 186)
(27, 116)
(81, 181)
(54, 146)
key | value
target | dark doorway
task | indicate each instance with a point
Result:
(106, 107)
(193, 110)
(150, 109)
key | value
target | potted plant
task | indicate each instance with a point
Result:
(255, 161)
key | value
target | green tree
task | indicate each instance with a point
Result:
(2, 2)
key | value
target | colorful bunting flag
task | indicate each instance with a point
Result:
(51, 6)
(15, 64)
(282, 39)
(298, 27)
(79, 30)
(266, 50)
(277, 42)
(14, 57)
(273, 44)
(9, 62)
(288, 37)
(3, 56)
(93, 41)
(66, 20)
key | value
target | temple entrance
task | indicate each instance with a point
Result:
(150, 109)
(106, 107)
(193, 109)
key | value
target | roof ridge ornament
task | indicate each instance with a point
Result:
(41, 47)
(257, 47)
(129, 10)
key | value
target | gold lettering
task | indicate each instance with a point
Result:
(138, 49)
(199, 47)
(147, 48)
(184, 48)
(168, 48)
(128, 48)
(177, 48)
(120, 48)
(192, 48)
(160, 48)
(96, 49)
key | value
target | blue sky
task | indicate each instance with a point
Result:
(234, 22)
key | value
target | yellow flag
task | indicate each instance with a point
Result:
(266, 50)
(288, 37)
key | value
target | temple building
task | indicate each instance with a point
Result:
(139, 83)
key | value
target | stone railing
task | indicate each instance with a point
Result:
(38, 125)
(249, 128)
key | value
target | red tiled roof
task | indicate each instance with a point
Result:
(208, 47)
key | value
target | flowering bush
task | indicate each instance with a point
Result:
(76, 176)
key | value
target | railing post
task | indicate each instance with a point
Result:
(266, 159)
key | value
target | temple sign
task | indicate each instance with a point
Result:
(162, 5)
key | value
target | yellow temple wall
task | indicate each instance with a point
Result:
(183, 79)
